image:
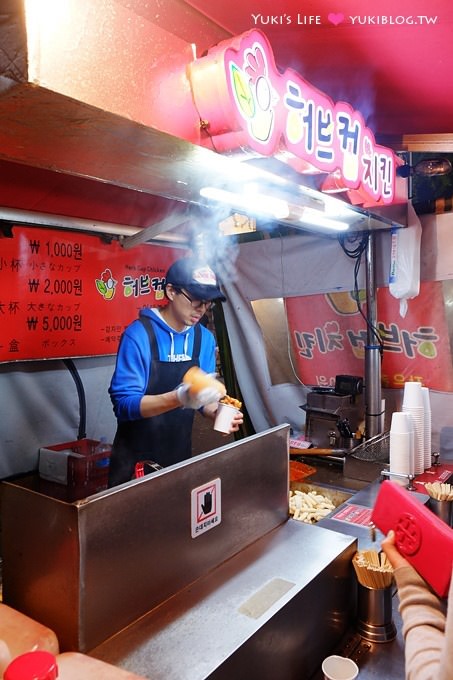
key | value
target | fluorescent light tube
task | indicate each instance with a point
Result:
(250, 202)
(318, 218)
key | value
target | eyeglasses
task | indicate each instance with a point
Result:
(197, 304)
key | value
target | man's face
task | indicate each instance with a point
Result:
(185, 310)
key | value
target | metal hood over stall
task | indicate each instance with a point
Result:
(100, 131)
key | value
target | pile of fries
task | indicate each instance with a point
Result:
(309, 507)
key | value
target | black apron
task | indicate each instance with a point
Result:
(166, 438)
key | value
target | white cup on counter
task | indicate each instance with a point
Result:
(427, 427)
(339, 668)
(413, 404)
(401, 454)
(412, 395)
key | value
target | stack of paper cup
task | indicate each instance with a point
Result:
(413, 404)
(401, 451)
(427, 409)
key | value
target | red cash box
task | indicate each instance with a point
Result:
(76, 465)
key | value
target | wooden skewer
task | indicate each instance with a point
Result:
(439, 491)
(372, 570)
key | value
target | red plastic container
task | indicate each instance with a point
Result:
(36, 665)
(86, 471)
(41, 665)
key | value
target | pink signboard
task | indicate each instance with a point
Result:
(271, 111)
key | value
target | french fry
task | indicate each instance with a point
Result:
(231, 401)
(309, 507)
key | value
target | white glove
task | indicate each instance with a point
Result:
(208, 395)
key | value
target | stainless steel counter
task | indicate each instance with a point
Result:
(330, 471)
(261, 596)
(140, 648)
(362, 497)
(271, 611)
(192, 572)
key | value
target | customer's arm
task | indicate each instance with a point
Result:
(428, 649)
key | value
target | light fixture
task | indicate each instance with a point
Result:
(296, 205)
(433, 166)
(319, 219)
(428, 167)
(250, 201)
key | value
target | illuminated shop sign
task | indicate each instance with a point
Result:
(237, 87)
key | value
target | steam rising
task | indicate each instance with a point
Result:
(212, 247)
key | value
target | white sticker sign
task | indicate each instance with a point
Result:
(206, 507)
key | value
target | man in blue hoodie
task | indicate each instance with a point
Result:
(153, 408)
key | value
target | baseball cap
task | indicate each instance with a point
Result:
(196, 278)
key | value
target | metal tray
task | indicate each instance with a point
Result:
(336, 496)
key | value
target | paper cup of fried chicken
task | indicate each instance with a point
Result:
(227, 409)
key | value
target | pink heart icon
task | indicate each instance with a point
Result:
(335, 19)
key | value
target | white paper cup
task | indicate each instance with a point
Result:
(401, 449)
(427, 428)
(339, 668)
(412, 395)
(224, 417)
(418, 422)
(401, 423)
(401, 456)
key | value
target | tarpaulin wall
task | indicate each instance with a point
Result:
(65, 296)
(318, 269)
(38, 399)
(40, 407)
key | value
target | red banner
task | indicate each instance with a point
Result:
(65, 294)
(329, 337)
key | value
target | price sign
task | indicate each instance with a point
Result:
(65, 294)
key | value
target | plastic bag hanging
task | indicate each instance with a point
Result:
(404, 278)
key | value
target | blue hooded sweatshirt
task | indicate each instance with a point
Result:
(133, 361)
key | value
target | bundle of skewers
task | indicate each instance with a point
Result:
(373, 569)
(439, 491)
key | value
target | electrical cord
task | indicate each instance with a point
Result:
(81, 395)
(355, 252)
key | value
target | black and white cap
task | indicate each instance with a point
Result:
(196, 278)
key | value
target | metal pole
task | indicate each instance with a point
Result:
(373, 400)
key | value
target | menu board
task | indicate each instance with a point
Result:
(66, 294)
